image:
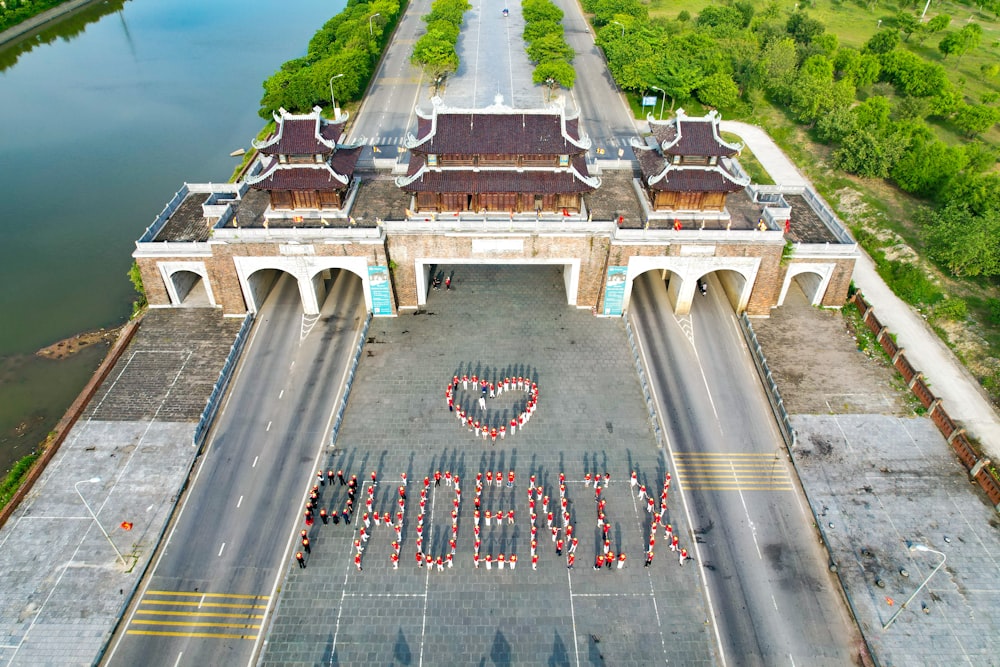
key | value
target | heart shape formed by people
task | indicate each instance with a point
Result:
(490, 410)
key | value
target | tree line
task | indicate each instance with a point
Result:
(341, 57)
(435, 50)
(545, 42)
(731, 55)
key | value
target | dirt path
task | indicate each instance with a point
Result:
(818, 367)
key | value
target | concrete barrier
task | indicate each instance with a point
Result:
(212, 406)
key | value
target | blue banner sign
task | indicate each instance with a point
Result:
(381, 292)
(614, 290)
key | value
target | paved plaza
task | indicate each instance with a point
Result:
(497, 320)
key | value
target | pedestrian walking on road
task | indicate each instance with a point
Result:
(305, 545)
(357, 561)
(570, 559)
(649, 558)
(340, 476)
(621, 560)
(683, 557)
(301, 559)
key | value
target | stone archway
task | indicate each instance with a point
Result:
(736, 274)
(812, 278)
(187, 284)
(307, 270)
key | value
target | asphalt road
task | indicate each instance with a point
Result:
(492, 61)
(386, 113)
(206, 598)
(603, 113)
(773, 599)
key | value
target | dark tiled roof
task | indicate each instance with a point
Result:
(696, 137)
(502, 134)
(651, 162)
(683, 179)
(298, 137)
(696, 180)
(309, 176)
(485, 181)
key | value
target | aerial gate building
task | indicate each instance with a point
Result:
(494, 186)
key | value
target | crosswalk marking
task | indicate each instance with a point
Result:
(193, 614)
(732, 471)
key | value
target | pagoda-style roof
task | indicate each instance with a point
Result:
(659, 173)
(302, 134)
(687, 135)
(333, 174)
(574, 179)
(497, 130)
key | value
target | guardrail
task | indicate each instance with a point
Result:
(212, 407)
(770, 387)
(827, 215)
(338, 420)
(977, 467)
(644, 383)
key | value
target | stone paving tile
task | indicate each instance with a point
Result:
(62, 588)
(591, 418)
(179, 352)
(877, 481)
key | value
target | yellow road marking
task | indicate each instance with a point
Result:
(180, 603)
(207, 635)
(159, 612)
(196, 624)
(210, 595)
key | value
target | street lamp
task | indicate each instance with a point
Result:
(916, 547)
(371, 33)
(76, 487)
(663, 98)
(333, 103)
(622, 25)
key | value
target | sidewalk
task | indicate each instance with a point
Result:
(963, 398)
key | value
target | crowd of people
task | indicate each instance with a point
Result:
(553, 518)
(478, 419)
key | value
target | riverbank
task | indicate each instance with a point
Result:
(70, 346)
(41, 20)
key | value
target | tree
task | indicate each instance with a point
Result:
(883, 41)
(554, 73)
(907, 23)
(535, 29)
(435, 52)
(928, 165)
(966, 243)
(718, 91)
(803, 29)
(541, 10)
(973, 119)
(550, 47)
(678, 78)
(961, 42)
(869, 154)
(778, 65)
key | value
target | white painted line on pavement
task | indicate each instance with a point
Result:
(254, 465)
(281, 394)
(268, 426)
(239, 503)
(753, 528)
(178, 660)
(221, 549)
(572, 615)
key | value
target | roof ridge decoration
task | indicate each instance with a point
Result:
(680, 116)
(282, 114)
(438, 107)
